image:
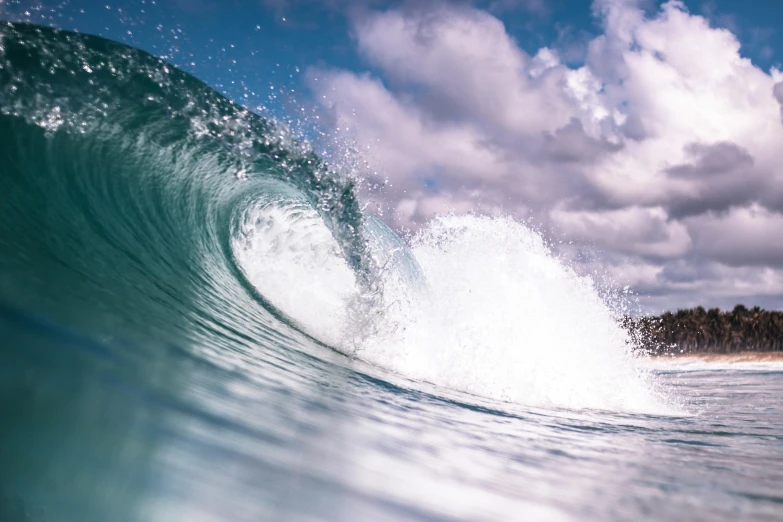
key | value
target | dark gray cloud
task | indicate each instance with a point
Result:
(657, 304)
(570, 144)
(777, 91)
(718, 177)
(713, 160)
(633, 128)
(688, 271)
(635, 231)
(743, 237)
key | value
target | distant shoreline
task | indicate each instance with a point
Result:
(738, 357)
(698, 332)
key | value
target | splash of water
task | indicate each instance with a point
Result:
(499, 317)
(290, 256)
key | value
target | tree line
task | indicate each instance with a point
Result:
(708, 331)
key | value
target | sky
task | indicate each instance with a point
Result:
(643, 138)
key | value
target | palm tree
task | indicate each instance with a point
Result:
(707, 331)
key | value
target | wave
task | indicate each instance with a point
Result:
(139, 205)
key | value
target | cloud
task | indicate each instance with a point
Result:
(711, 282)
(717, 177)
(661, 138)
(467, 64)
(571, 143)
(632, 230)
(754, 237)
(688, 282)
(409, 146)
(778, 92)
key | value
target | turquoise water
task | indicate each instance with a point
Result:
(199, 323)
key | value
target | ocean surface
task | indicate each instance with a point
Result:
(198, 322)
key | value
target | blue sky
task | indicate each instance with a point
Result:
(269, 39)
(642, 137)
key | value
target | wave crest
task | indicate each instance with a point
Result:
(140, 204)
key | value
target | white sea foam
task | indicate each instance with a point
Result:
(505, 319)
(287, 252)
(499, 316)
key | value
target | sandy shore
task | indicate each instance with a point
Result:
(741, 357)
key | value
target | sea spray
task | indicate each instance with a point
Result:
(505, 319)
(289, 255)
(479, 305)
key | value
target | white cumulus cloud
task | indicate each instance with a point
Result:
(662, 151)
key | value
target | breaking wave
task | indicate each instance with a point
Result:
(140, 205)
